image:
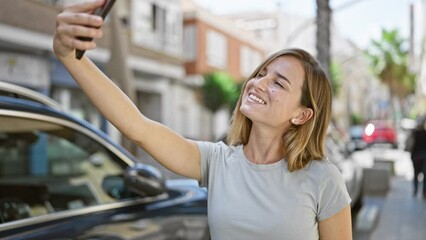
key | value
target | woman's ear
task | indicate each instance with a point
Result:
(303, 116)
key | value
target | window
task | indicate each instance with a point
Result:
(249, 59)
(174, 29)
(46, 167)
(158, 20)
(190, 43)
(141, 18)
(245, 61)
(217, 49)
(77, 103)
(157, 25)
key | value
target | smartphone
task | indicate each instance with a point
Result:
(101, 11)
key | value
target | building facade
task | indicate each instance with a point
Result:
(420, 99)
(358, 87)
(153, 33)
(169, 48)
(214, 44)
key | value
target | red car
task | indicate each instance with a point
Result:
(380, 132)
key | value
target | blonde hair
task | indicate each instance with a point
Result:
(301, 143)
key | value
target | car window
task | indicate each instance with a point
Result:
(46, 167)
(356, 131)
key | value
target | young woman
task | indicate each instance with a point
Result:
(272, 180)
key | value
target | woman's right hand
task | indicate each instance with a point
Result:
(77, 21)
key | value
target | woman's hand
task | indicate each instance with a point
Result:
(77, 21)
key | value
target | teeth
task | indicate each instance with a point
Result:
(253, 97)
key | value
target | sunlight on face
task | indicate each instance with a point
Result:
(273, 96)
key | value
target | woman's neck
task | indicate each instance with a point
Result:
(263, 147)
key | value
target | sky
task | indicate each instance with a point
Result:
(360, 20)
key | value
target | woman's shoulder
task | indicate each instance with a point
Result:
(322, 167)
(217, 147)
(213, 145)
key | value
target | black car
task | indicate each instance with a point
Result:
(61, 178)
(356, 142)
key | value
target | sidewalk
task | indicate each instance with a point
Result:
(400, 215)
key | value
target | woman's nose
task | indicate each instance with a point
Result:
(261, 83)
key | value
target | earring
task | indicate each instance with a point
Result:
(293, 120)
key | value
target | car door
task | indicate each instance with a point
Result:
(58, 180)
(47, 169)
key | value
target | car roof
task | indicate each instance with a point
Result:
(381, 123)
(28, 106)
(13, 90)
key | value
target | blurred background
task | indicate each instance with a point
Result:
(183, 62)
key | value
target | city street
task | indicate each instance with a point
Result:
(114, 144)
(396, 214)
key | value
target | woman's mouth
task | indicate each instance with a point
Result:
(256, 99)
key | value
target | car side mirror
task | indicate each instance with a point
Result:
(115, 187)
(144, 180)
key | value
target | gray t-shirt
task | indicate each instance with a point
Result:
(255, 201)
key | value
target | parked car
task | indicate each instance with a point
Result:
(356, 142)
(351, 170)
(380, 132)
(60, 178)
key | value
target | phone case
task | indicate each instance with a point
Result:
(103, 12)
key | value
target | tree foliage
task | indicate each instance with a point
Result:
(219, 89)
(336, 77)
(389, 62)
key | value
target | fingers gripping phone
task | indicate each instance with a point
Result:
(101, 11)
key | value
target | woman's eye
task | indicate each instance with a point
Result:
(260, 75)
(278, 83)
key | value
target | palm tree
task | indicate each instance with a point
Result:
(323, 43)
(336, 77)
(389, 62)
(323, 19)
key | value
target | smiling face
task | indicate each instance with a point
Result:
(273, 96)
(289, 85)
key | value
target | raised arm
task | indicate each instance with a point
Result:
(337, 227)
(167, 147)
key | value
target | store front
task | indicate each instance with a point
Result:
(26, 70)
